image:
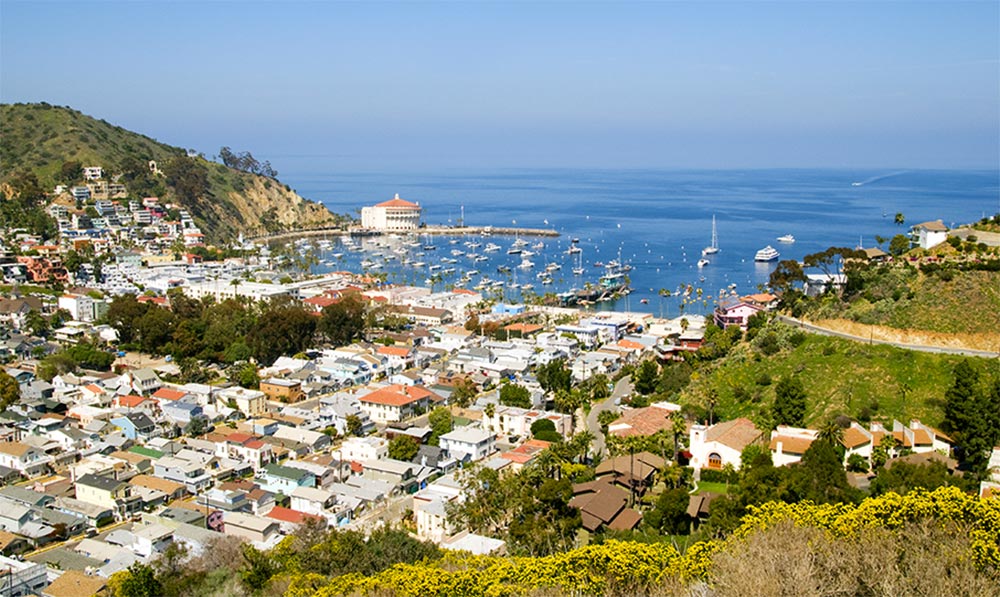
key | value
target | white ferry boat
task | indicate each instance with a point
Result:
(768, 253)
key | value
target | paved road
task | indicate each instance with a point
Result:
(622, 388)
(918, 347)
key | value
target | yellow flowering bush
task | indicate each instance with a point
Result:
(630, 567)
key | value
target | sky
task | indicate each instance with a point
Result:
(423, 85)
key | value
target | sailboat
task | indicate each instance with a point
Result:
(578, 270)
(714, 248)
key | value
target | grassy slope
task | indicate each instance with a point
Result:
(946, 306)
(902, 383)
(39, 138)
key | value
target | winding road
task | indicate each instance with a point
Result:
(918, 347)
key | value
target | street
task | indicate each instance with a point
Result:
(622, 388)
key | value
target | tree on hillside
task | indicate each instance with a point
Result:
(820, 477)
(645, 377)
(899, 245)
(188, 178)
(972, 415)
(10, 391)
(899, 219)
(463, 392)
(512, 394)
(785, 275)
(789, 402)
(669, 516)
(70, 172)
(403, 447)
(343, 322)
(545, 430)
(554, 376)
(441, 422)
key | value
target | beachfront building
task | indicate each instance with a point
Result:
(395, 214)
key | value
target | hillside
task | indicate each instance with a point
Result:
(40, 138)
(839, 377)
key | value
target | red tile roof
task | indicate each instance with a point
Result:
(398, 395)
(130, 401)
(394, 351)
(169, 394)
(288, 515)
(397, 202)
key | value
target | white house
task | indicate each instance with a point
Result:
(929, 234)
(721, 444)
(358, 449)
(469, 443)
(430, 508)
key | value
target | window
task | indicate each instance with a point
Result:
(714, 460)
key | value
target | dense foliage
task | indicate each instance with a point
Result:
(939, 542)
(232, 330)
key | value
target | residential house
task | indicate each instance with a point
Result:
(644, 421)
(737, 313)
(144, 381)
(136, 425)
(604, 505)
(396, 402)
(634, 471)
(107, 492)
(468, 443)
(721, 444)
(282, 390)
(252, 403)
(789, 444)
(190, 473)
(23, 458)
(927, 235)
(282, 479)
(250, 527)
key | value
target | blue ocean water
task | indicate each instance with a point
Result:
(659, 220)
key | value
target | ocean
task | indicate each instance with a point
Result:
(658, 221)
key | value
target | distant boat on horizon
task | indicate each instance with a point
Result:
(788, 238)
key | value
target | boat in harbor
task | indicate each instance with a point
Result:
(703, 262)
(714, 247)
(788, 238)
(768, 253)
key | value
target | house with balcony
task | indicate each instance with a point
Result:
(25, 459)
(108, 492)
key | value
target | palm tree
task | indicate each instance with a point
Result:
(664, 293)
(832, 433)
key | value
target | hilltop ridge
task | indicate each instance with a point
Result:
(41, 139)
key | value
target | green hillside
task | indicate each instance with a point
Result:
(839, 377)
(43, 139)
(40, 138)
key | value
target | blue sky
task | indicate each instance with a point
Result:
(378, 86)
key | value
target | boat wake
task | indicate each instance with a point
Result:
(878, 178)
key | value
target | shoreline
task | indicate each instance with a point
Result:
(429, 230)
